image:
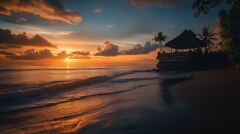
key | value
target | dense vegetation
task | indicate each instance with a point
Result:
(229, 22)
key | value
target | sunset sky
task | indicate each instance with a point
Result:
(92, 30)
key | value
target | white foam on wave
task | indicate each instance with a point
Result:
(60, 92)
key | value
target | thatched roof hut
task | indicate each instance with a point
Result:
(186, 40)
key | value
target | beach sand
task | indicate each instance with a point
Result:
(213, 98)
(206, 104)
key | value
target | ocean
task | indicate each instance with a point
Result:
(32, 100)
(22, 88)
(100, 100)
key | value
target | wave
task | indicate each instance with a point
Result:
(50, 88)
(56, 86)
(47, 104)
(64, 91)
(6, 88)
(33, 93)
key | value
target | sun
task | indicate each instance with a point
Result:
(68, 59)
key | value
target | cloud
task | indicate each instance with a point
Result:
(19, 19)
(10, 40)
(98, 10)
(61, 55)
(139, 49)
(152, 2)
(79, 55)
(110, 26)
(108, 49)
(32, 54)
(7, 53)
(47, 9)
(3, 11)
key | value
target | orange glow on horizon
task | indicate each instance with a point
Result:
(93, 61)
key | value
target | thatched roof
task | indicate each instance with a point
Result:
(186, 40)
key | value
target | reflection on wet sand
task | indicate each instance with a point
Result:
(65, 117)
(166, 92)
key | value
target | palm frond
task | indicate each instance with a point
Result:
(213, 34)
(212, 43)
(212, 38)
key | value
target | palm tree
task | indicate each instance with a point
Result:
(207, 37)
(160, 38)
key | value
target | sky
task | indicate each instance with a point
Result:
(93, 30)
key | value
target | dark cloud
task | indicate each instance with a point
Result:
(10, 40)
(108, 49)
(32, 54)
(47, 9)
(139, 49)
(61, 55)
(152, 2)
(4, 11)
(7, 53)
(79, 55)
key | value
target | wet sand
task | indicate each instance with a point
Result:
(206, 104)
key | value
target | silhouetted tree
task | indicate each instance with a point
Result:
(207, 37)
(160, 38)
(229, 22)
